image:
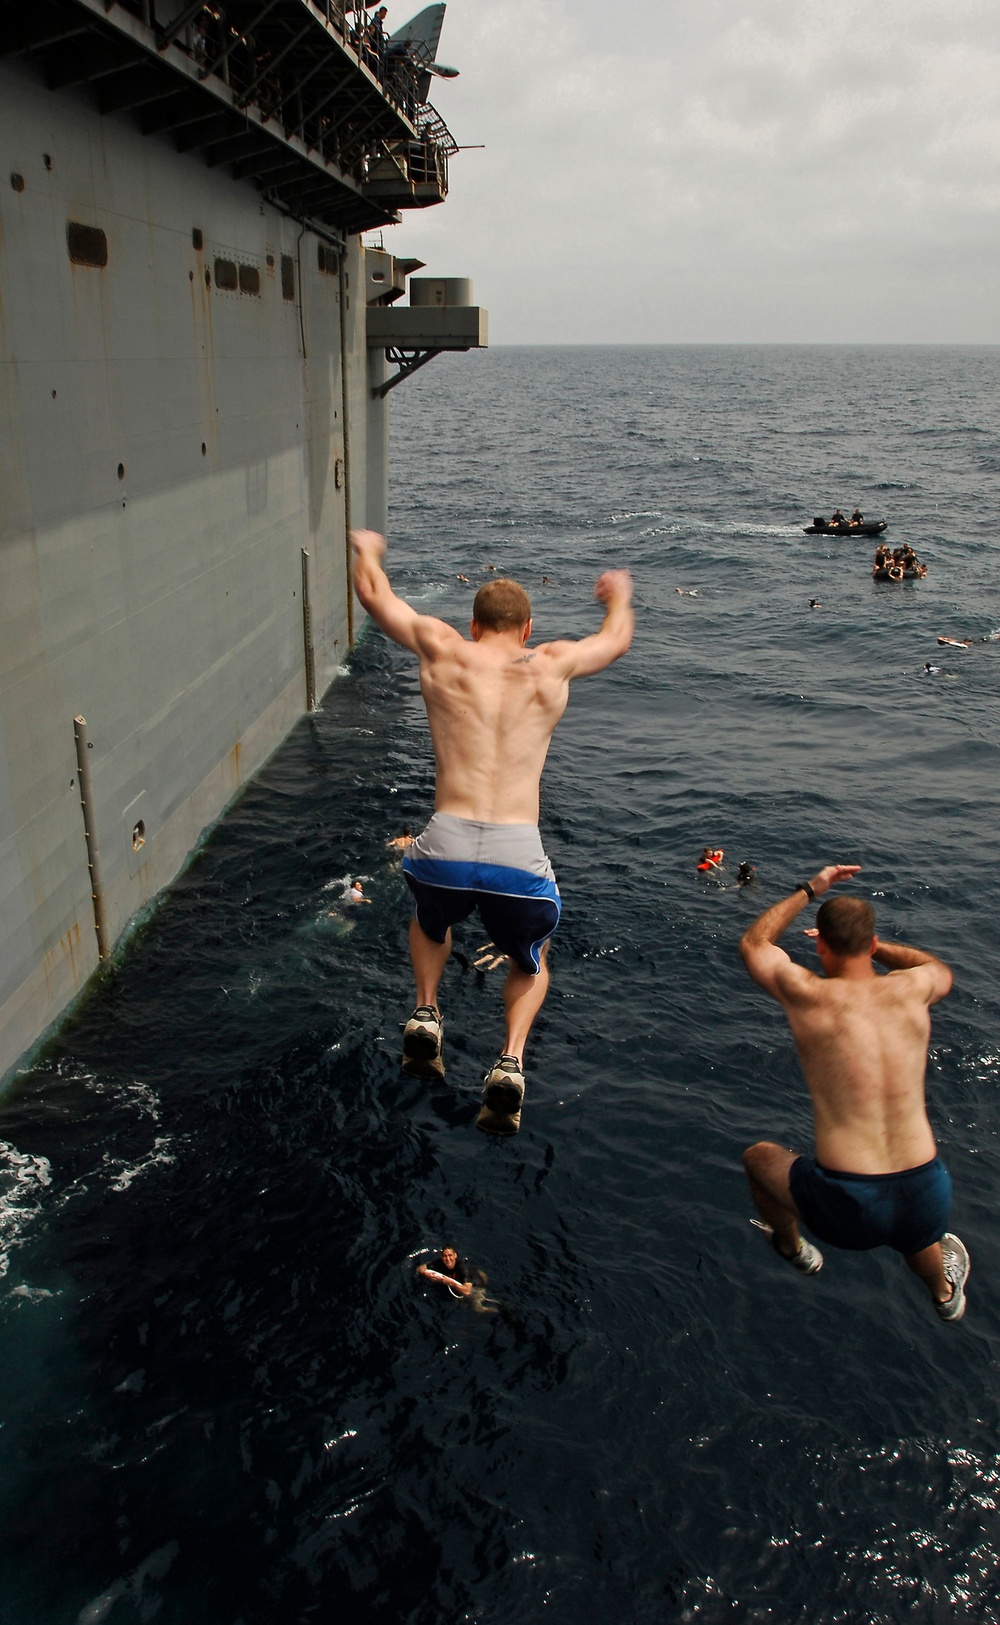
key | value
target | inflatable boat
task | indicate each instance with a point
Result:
(867, 527)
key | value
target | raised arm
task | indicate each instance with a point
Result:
(934, 972)
(464, 1287)
(769, 965)
(593, 654)
(398, 619)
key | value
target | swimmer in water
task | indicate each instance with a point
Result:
(401, 842)
(493, 702)
(449, 1270)
(875, 1179)
(711, 857)
(351, 898)
(464, 580)
(815, 604)
(929, 670)
(960, 643)
(453, 1272)
(746, 874)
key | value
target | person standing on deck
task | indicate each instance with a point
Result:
(876, 1179)
(492, 705)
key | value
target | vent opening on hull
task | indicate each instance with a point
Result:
(88, 245)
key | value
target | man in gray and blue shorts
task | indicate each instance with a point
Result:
(458, 865)
(492, 704)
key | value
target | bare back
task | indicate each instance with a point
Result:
(862, 1045)
(492, 702)
(492, 706)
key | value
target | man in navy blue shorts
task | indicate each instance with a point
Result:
(876, 1178)
(492, 704)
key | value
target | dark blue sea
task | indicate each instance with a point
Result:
(224, 1397)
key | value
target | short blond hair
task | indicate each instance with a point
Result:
(501, 606)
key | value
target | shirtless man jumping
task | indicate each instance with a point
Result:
(876, 1179)
(492, 704)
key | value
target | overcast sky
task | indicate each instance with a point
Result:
(721, 170)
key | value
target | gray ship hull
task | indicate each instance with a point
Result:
(188, 429)
(167, 452)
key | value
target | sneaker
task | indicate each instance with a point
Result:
(808, 1260)
(503, 1086)
(955, 1257)
(498, 1122)
(423, 1042)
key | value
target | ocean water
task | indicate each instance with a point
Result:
(224, 1398)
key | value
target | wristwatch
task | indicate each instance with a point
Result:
(804, 885)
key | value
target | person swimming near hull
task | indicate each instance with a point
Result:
(492, 705)
(875, 1178)
(450, 1270)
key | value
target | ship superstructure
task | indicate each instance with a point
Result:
(193, 412)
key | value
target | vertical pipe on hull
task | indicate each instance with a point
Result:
(345, 391)
(90, 832)
(307, 634)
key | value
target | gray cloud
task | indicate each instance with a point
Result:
(701, 170)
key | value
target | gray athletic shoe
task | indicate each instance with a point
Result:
(808, 1260)
(503, 1086)
(503, 1123)
(955, 1257)
(423, 1043)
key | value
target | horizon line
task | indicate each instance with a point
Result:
(749, 344)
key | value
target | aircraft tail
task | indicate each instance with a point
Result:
(421, 36)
